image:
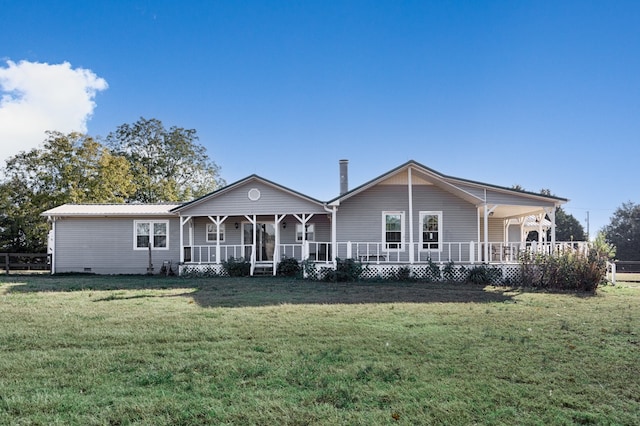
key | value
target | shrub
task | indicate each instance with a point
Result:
(237, 267)
(346, 270)
(403, 273)
(434, 271)
(569, 270)
(484, 275)
(289, 267)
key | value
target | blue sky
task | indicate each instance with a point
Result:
(543, 94)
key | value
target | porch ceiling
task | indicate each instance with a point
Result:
(507, 212)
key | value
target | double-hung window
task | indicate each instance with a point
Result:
(431, 230)
(151, 233)
(393, 230)
(310, 234)
(214, 233)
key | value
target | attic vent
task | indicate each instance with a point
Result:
(254, 194)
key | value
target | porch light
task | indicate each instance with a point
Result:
(284, 225)
(236, 225)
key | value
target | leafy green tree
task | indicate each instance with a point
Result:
(21, 227)
(623, 231)
(167, 164)
(73, 168)
(568, 228)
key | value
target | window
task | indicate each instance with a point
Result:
(309, 234)
(154, 233)
(393, 230)
(212, 237)
(430, 230)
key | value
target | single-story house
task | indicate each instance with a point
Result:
(411, 216)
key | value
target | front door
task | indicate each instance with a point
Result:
(265, 240)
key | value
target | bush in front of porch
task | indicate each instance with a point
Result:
(346, 270)
(570, 270)
(289, 267)
(237, 267)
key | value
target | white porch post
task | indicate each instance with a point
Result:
(191, 238)
(183, 221)
(254, 221)
(479, 251)
(334, 236)
(181, 254)
(303, 220)
(487, 212)
(254, 255)
(410, 189)
(217, 221)
(540, 219)
(486, 233)
(276, 250)
(552, 217)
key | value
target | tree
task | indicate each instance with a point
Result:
(624, 231)
(568, 228)
(73, 168)
(167, 165)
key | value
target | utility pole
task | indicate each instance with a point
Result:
(588, 235)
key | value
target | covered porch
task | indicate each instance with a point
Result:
(262, 240)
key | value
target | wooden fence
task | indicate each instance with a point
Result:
(25, 262)
(630, 266)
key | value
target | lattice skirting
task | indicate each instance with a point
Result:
(500, 274)
(206, 270)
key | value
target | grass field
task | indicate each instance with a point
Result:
(136, 350)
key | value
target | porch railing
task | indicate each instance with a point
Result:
(209, 253)
(379, 252)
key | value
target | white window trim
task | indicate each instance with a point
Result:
(222, 230)
(402, 243)
(440, 230)
(310, 229)
(151, 223)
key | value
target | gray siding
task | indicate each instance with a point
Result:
(236, 202)
(105, 246)
(360, 217)
(496, 230)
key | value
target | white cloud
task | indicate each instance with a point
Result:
(36, 97)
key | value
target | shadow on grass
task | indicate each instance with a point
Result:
(258, 291)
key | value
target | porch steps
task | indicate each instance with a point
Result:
(263, 269)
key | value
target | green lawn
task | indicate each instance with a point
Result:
(138, 350)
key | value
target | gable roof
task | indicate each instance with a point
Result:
(248, 179)
(448, 183)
